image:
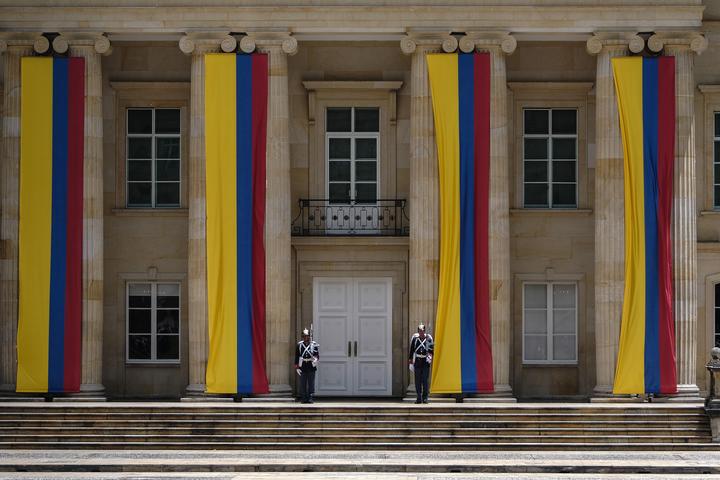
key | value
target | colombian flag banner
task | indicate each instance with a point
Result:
(646, 102)
(236, 93)
(460, 88)
(52, 109)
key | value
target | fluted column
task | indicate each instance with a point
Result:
(14, 49)
(91, 47)
(277, 45)
(609, 207)
(198, 44)
(498, 44)
(683, 46)
(424, 188)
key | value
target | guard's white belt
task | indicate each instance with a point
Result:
(421, 356)
(306, 359)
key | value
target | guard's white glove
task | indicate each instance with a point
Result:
(314, 362)
(428, 358)
(299, 372)
(411, 367)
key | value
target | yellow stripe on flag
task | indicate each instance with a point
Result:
(443, 73)
(36, 86)
(220, 161)
(629, 373)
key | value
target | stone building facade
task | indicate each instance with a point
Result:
(350, 121)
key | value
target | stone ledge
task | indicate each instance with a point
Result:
(551, 212)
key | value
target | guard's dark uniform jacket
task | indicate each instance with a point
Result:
(421, 348)
(421, 351)
(304, 354)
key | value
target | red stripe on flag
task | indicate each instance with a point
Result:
(259, 138)
(73, 275)
(482, 196)
(666, 156)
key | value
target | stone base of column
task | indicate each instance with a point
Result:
(685, 394)
(278, 393)
(7, 388)
(89, 392)
(8, 394)
(195, 390)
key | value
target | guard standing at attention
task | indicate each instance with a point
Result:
(420, 359)
(307, 356)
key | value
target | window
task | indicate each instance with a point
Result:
(550, 153)
(717, 315)
(153, 322)
(153, 157)
(352, 136)
(549, 323)
(716, 161)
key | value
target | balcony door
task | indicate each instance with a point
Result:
(352, 321)
(352, 158)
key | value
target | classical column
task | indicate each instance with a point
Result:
(14, 49)
(277, 45)
(91, 46)
(423, 201)
(683, 46)
(609, 207)
(197, 45)
(498, 44)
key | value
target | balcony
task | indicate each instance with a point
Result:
(323, 217)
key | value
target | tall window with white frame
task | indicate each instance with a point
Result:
(716, 162)
(153, 157)
(550, 322)
(153, 322)
(352, 146)
(717, 315)
(550, 154)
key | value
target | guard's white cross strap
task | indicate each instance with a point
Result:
(421, 344)
(307, 349)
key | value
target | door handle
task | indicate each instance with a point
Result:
(349, 348)
(356, 348)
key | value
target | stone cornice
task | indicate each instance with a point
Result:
(609, 39)
(198, 43)
(692, 40)
(488, 38)
(640, 16)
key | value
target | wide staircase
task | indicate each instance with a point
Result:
(372, 426)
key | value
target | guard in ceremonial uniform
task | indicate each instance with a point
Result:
(307, 356)
(420, 359)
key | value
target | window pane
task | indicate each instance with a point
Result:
(168, 321)
(367, 120)
(340, 148)
(167, 120)
(168, 301)
(717, 295)
(564, 195)
(536, 149)
(168, 347)
(365, 171)
(339, 171)
(536, 321)
(536, 171)
(139, 121)
(564, 347)
(564, 148)
(140, 170)
(139, 321)
(167, 170)
(717, 124)
(564, 122)
(564, 296)
(563, 171)
(139, 301)
(139, 194)
(167, 147)
(536, 195)
(717, 320)
(717, 152)
(366, 148)
(536, 122)
(366, 192)
(339, 192)
(717, 173)
(168, 289)
(535, 296)
(168, 194)
(338, 120)
(140, 289)
(564, 321)
(139, 347)
(717, 195)
(535, 347)
(140, 147)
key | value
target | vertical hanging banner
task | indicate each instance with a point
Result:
(460, 88)
(52, 131)
(646, 103)
(236, 96)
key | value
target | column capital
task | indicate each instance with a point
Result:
(268, 40)
(488, 38)
(439, 38)
(21, 40)
(95, 40)
(690, 40)
(614, 40)
(199, 43)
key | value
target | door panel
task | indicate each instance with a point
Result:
(331, 329)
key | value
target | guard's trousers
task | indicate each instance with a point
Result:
(307, 383)
(422, 372)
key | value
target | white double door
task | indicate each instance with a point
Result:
(352, 322)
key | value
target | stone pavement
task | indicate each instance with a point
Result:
(342, 476)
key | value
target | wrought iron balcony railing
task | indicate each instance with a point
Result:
(322, 217)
